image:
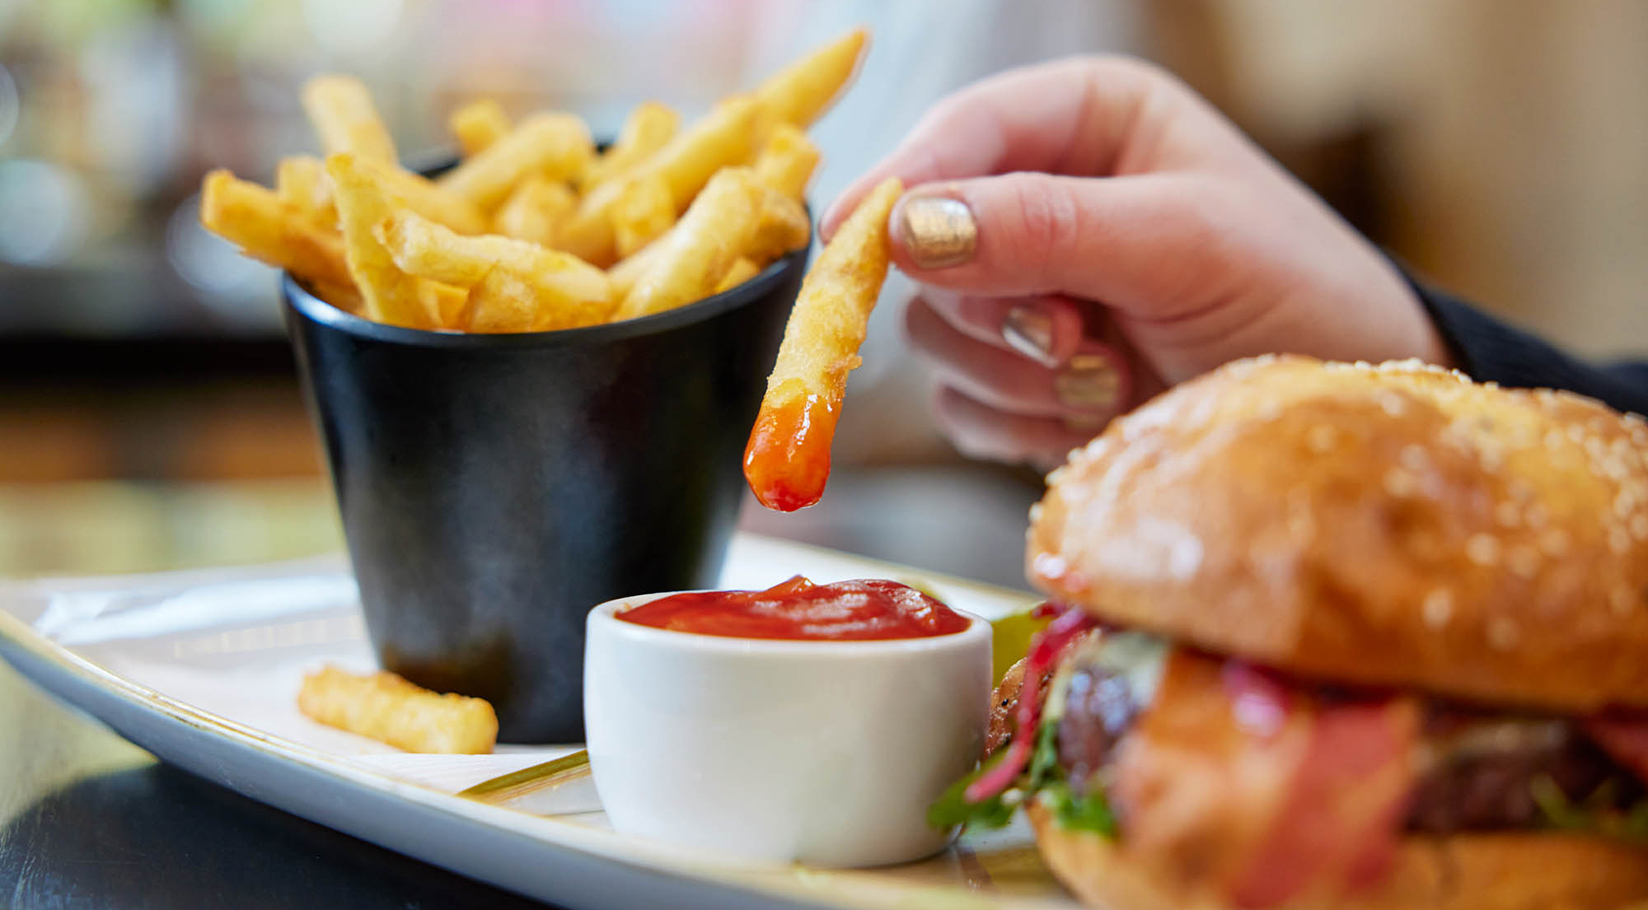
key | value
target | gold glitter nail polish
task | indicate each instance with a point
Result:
(1088, 382)
(1030, 332)
(937, 231)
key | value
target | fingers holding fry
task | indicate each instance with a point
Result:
(478, 124)
(389, 709)
(269, 230)
(341, 111)
(715, 230)
(644, 210)
(787, 460)
(554, 145)
(390, 294)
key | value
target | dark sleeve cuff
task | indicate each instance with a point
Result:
(1491, 351)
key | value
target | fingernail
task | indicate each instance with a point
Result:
(937, 231)
(1029, 331)
(1088, 382)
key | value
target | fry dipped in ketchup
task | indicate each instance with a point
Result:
(787, 460)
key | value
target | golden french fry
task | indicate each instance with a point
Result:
(715, 230)
(787, 460)
(444, 299)
(427, 198)
(782, 227)
(391, 295)
(555, 145)
(301, 182)
(646, 130)
(389, 709)
(343, 296)
(535, 210)
(568, 291)
(787, 162)
(802, 91)
(742, 269)
(478, 124)
(340, 108)
(267, 229)
(720, 138)
(625, 272)
(644, 210)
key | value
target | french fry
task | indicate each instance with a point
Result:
(301, 182)
(446, 300)
(535, 210)
(391, 710)
(343, 296)
(505, 300)
(649, 126)
(625, 272)
(427, 198)
(568, 291)
(478, 124)
(555, 145)
(742, 269)
(781, 227)
(341, 111)
(787, 161)
(390, 295)
(718, 139)
(715, 230)
(644, 210)
(787, 460)
(268, 230)
(801, 92)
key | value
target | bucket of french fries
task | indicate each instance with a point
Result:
(535, 369)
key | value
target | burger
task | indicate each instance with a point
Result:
(1333, 635)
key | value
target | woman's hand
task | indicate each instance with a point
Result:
(1088, 232)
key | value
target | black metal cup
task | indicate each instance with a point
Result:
(494, 488)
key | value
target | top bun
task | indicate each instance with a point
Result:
(1393, 525)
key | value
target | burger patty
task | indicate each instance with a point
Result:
(1477, 770)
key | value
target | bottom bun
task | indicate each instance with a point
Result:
(1511, 871)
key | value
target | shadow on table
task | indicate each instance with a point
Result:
(155, 836)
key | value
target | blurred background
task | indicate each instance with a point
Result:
(149, 416)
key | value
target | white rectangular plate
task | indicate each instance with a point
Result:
(202, 669)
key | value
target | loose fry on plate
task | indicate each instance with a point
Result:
(716, 229)
(787, 161)
(340, 108)
(800, 93)
(568, 291)
(555, 145)
(742, 269)
(535, 210)
(686, 163)
(644, 210)
(646, 130)
(267, 229)
(390, 294)
(478, 124)
(389, 709)
(301, 182)
(787, 460)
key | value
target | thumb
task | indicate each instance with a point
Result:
(1127, 241)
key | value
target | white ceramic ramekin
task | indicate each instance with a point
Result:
(820, 752)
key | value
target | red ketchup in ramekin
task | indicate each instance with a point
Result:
(798, 610)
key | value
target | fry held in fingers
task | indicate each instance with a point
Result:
(269, 230)
(340, 109)
(478, 124)
(391, 710)
(787, 460)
